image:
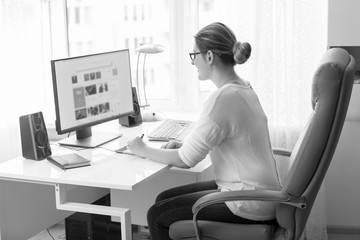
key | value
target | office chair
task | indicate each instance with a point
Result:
(310, 158)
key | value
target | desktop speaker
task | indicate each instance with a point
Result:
(135, 119)
(34, 138)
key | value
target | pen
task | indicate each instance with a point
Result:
(142, 135)
(126, 153)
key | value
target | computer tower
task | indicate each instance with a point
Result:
(78, 226)
(105, 229)
(88, 226)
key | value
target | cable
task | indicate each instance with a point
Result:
(50, 234)
(63, 236)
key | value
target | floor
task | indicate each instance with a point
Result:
(55, 232)
(58, 232)
(343, 237)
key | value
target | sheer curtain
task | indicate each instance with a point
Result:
(288, 39)
(292, 40)
(22, 41)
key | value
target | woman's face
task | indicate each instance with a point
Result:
(201, 64)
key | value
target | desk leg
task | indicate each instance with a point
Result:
(123, 213)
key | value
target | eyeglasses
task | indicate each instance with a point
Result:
(193, 55)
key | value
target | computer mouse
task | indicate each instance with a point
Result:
(152, 116)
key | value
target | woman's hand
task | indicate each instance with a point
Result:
(168, 154)
(172, 145)
(137, 147)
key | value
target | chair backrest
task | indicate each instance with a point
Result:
(312, 154)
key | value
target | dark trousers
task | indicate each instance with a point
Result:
(175, 204)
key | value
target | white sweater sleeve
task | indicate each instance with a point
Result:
(198, 144)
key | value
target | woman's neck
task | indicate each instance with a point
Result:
(224, 76)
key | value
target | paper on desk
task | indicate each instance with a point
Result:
(95, 154)
(124, 150)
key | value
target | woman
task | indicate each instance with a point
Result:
(232, 128)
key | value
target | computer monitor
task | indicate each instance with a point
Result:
(89, 90)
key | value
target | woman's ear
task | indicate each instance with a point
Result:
(210, 56)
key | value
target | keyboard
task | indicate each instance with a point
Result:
(171, 129)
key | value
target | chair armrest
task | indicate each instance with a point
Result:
(282, 152)
(248, 195)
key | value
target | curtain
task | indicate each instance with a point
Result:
(290, 43)
(287, 39)
(21, 61)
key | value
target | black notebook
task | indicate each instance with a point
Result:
(68, 161)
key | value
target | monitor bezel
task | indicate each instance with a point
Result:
(59, 130)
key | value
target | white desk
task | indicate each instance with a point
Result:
(27, 187)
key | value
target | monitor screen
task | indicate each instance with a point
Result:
(89, 90)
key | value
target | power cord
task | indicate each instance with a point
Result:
(61, 237)
(50, 234)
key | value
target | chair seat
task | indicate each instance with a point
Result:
(218, 230)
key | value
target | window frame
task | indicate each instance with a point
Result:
(183, 25)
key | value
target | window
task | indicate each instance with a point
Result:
(280, 32)
(110, 28)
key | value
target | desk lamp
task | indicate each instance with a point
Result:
(147, 48)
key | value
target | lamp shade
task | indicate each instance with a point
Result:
(150, 48)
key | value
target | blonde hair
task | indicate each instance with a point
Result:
(220, 39)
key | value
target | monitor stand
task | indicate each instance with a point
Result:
(84, 138)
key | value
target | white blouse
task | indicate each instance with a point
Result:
(233, 129)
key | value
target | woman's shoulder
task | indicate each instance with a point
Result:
(221, 100)
(228, 95)
(233, 90)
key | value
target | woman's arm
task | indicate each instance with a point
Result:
(165, 156)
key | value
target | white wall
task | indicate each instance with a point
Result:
(343, 178)
(343, 21)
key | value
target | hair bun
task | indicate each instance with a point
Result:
(242, 52)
